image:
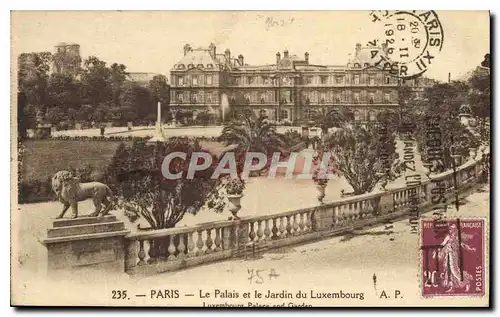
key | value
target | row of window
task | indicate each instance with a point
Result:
(356, 97)
(357, 79)
(191, 66)
(194, 80)
(194, 98)
(285, 97)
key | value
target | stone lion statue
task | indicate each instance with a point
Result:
(70, 191)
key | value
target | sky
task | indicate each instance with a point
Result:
(153, 41)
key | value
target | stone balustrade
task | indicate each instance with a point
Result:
(171, 249)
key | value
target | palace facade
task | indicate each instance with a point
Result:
(292, 89)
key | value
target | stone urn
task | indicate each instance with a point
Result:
(321, 192)
(234, 204)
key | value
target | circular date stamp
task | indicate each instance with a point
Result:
(410, 41)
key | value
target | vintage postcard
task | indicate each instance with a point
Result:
(251, 158)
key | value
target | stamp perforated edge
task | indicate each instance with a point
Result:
(486, 260)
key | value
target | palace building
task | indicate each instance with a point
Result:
(291, 89)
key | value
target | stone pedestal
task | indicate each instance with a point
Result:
(386, 204)
(325, 218)
(86, 243)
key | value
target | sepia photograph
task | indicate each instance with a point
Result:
(250, 158)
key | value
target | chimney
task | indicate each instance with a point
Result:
(240, 59)
(211, 48)
(358, 48)
(227, 53)
(306, 57)
(187, 49)
(278, 58)
(285, 54)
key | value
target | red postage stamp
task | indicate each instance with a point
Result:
(452, 255)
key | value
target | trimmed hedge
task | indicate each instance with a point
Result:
(33, 191)
(93, 138)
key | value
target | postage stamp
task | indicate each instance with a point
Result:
(452, 255)
(250, 158)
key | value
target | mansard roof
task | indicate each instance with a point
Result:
(200, 58)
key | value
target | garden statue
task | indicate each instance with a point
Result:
(70, 191)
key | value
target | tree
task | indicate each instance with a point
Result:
(117, 78)
(252, 134)
(96, 81)
(333, 119)
(33, 76)
(136, 99)
(159, 89)
(479, 96)
(136, 177)
(361, 157)
(85, 113)
(53, 115)
(25, 119)
(441, 109)
(64, 91)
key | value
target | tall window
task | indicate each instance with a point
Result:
(309, 114)
(209, 79)
(357, 115)
(387, 97)
(180, 80)
(209, 97)
(387, 79)
(356, 79)
(195, 80)
(372, 116)
(356, 97)
(371, 98)
(322, 97)
(372, 80)
(338, 99)
(283, 114)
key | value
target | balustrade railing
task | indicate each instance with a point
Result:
(170, 249)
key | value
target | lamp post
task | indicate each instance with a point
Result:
(455, 158)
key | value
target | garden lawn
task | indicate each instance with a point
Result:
(44, 158)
